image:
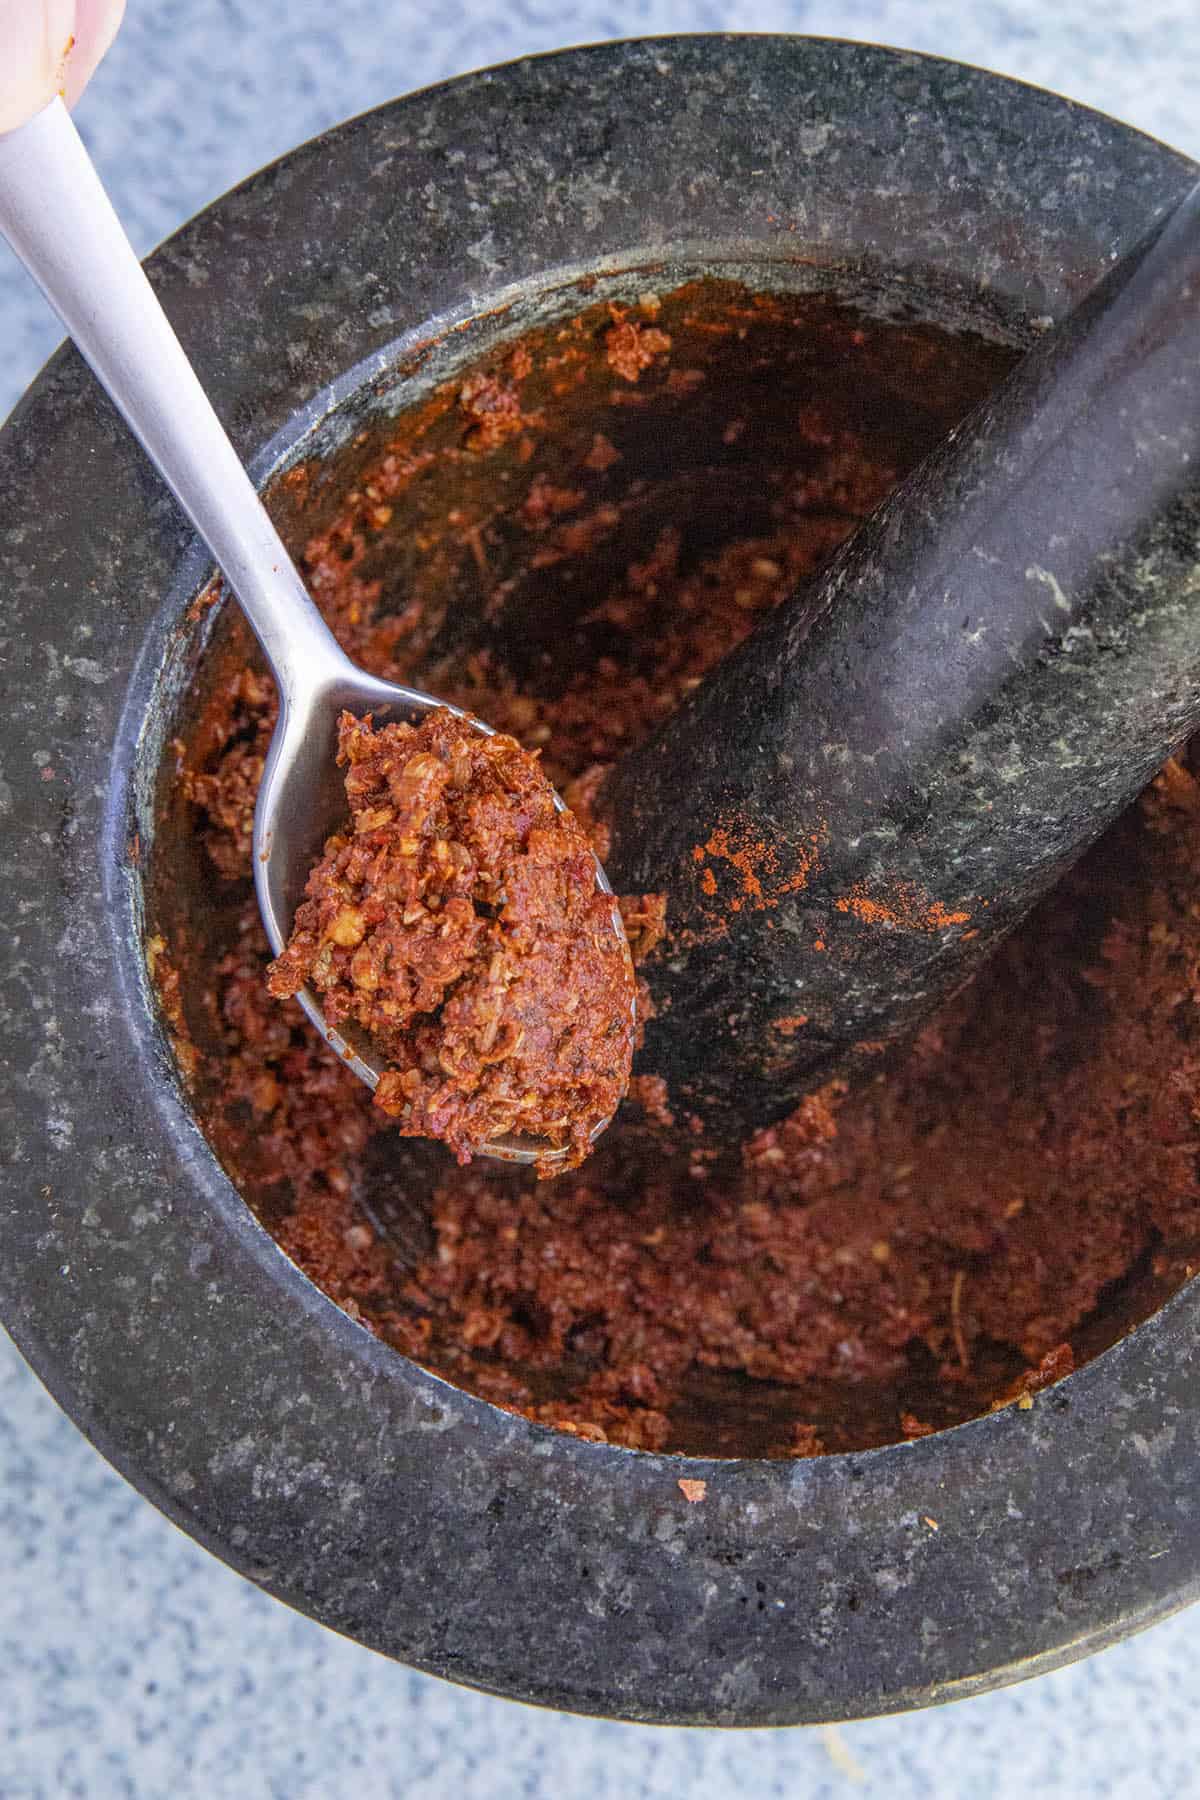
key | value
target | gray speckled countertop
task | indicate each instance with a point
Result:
(131, 1663)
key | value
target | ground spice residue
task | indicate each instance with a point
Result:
(952, 1235)
(904, 908)
(759, 881)
(629, 347)
(494, 409)
(455, 920)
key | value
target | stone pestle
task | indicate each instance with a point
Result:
(852, 810)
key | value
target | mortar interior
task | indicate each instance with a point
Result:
(744, 431)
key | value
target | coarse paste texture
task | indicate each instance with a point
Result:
(455, 919)
(950, 1236)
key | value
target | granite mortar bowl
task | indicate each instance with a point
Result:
(326, 295)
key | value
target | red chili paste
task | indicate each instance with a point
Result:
(455, 919)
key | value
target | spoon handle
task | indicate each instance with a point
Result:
(59, 220)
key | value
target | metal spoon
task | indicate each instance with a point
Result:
(57, 217)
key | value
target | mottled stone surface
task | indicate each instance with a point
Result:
(391, 1506)
(972, 690)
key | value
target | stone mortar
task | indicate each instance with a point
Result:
(328, 1469)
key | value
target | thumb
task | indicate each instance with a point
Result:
(96, 23)
(50, 47)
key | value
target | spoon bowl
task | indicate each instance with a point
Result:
(301, 801)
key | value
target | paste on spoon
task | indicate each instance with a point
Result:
(455, 918)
